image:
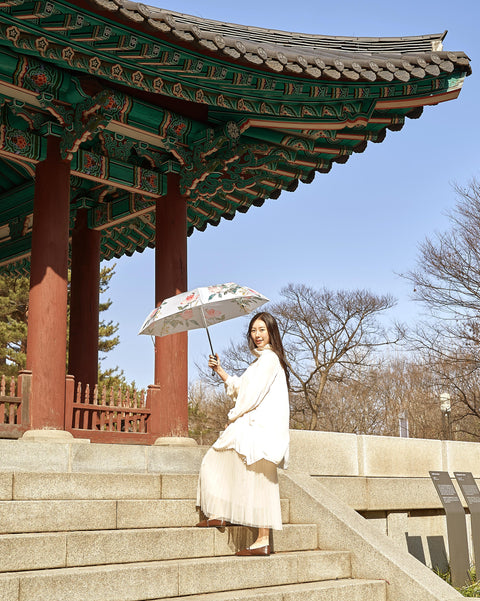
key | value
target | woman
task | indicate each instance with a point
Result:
(238, 481)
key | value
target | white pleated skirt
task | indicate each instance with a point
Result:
(231, 490)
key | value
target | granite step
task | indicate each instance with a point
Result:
(58, 516)
(329, 590)
(20, 552)
(30, 486)
(173, 578)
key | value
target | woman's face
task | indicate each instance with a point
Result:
(259, 334)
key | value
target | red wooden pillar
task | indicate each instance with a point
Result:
(47, 313)
(169, 393)
(84, 302)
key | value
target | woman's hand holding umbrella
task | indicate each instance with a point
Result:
(214, 363)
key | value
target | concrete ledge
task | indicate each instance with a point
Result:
(384, 494)
(114, 458)
(462, 457)
(19, 456)
(60, 457)
(314, 453)
(391, 456)
(373, 554)
(326, 453)
(337, 454)
(175, 459)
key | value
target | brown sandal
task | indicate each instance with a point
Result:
(259, 551)
(213, 524)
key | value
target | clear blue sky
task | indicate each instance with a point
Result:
(356, 227)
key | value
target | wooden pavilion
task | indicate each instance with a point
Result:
(125, 126)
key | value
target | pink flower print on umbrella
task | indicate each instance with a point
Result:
(213, 313)
(202, 307)
(187, 300)
(151, 317)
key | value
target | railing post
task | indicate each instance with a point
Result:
(164, 420)
(24, 389)
(69, 400)
(154, 402)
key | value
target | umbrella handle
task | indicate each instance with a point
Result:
(211, 347)
(208, 333)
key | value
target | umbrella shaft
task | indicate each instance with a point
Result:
(206, 327)
(210, 341)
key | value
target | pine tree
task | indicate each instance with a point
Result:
(14, 291)
(13, 323)
(107, 339)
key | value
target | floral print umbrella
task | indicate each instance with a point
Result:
(201, 308)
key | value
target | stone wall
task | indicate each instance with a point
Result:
(335, 454)
(386, 479)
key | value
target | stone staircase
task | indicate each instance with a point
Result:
(132, 537)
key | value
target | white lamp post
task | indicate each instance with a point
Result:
(403, 424)
(446, 408)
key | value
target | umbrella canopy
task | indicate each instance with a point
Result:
(200, 308)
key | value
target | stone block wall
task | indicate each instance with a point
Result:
(386, 479)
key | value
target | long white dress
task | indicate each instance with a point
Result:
(238, 477)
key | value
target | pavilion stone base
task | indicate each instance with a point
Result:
(58, 436)
(170, 441)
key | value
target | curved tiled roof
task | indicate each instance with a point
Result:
(313, 56)
(240, 113)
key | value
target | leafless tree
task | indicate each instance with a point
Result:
(407, 387)
(447, 277)
(447, 282)
(328, 337)
(208, 409)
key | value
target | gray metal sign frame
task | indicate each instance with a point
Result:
(471, 494)
(456, 528)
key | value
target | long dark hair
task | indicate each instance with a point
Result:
(274, 336)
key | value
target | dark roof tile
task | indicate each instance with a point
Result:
(300, 53)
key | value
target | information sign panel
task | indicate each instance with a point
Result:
(456, 528)
(471, 494)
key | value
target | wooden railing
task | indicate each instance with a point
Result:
(14, 405)
(9, 403)
(109, 415)
(105, 415)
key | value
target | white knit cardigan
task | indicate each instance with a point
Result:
(259, 421)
